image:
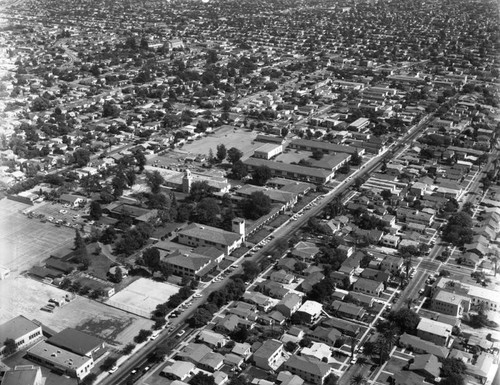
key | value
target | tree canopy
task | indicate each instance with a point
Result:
(256, 205)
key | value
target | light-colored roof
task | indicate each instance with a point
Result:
(308, 365)
(268, 348)
(179, 368)
(434, 327)
(22, 375)
(58, 356)
(212, 234)
(311, 307)
(17, 327)
(450, 297)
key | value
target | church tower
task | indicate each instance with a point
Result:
(187, 181)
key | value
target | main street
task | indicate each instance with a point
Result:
(283, 233)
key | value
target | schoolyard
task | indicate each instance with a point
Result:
(142, 296)
(25, 242)
(242, 139)
(25, 296)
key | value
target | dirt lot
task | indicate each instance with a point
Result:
(241, 139)
(24, 296)
(26, 242)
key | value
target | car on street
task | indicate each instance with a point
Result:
(113, 369)
(181, 333)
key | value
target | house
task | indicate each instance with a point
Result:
(211, 338)
(311, 280)
(408, 378)
(326, 335)
(202, 235)
(78, 342)
(242, 349)
(262, 301)
(363, 299)
(346, 327)
(62, 360)
(426, 365)
(211, 362)
(233, 360)
(282, 276)
(310, 311)
(305, 251)
(73, 200)
(484, 368)
(436, 332)
(392, 264)
(268, 356)
(375, 275)
(193, 264)
(287, 378)
(23, 331)
(193, 353)
(230, 322)
(450, 303)
(390, 240)
(179, 370)
(309, 369)
(419, 345)
(317, 350)
(290, 303)
(368, 286)
(349, 310)
(23, 375)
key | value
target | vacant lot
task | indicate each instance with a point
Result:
(142, 296)
(241, 139)
(26, 242)
(23, 296)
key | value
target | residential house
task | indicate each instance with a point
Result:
(211, 338)
(392, 264)
(310, 311)
(349, 310)
(282, 276)
(287, 378)
(290, 303)
(363, 299)
(230, 322)
(317, 350)
(419, 345)
(268, 356)
(311, 280)
(263, 302)
(436, 332)
(72, 200)
(309, 369)
(346, 327)
(305, 251)
(375, 275)
(426, 365)
(242, 349)
(179, 370)
(408, 378)
(368, 286)
(390, 240)
(484, 368)
(326, 335)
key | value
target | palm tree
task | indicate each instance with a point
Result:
(358, 379)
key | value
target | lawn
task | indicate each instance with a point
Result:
(395, 365)
(99, 266)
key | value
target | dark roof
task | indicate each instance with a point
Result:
(75, 341)
(16, 327)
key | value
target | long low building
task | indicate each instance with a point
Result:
(326, 147)
(202, 235)
(292, 171)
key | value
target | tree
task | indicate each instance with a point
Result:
(10, 346)
(79, 243)
(89, 379)
(200, 318)
(250, 269)
(81, 157)
(140, 160)
(317, 154)
(207, 211)
(40, 104)
(154, 181)
(454, 379)
(128, 349)
(239, 170)
(358, 379)
(291, 346)
(221, 152)
(458, 230)
(331, 379)
(151, 258)
(407, 320)
(199, 190)
(452, 366)
(95, 211)
(356, 159)
(240, 334)
(201, 378)
(118, 275)
(142, 336)
(234, 155)
(108, 363)
(261, 175)
(256, 205)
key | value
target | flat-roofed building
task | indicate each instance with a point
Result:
(78, 342)
(310, 311)
(61, 360)
(202, 235)
(268, 151)
(436, 332)
(268, 355)
(326, 147)
(450, 303)
(23, 331)
(23, 375)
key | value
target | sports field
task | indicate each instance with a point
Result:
(26, 242)
(142, 296)
(25, 296)
(241, 139)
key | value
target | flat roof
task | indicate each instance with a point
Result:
(289, 168)
(58, 356)
(211, 234)
(17, 327)
(434, 327)
(22, 375)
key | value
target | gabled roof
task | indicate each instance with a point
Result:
(212, 234)
(308, 365)
(427, 363)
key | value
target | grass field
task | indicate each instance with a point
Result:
(142, 296)
(24, 296)
(241, 139)
(26, 242)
